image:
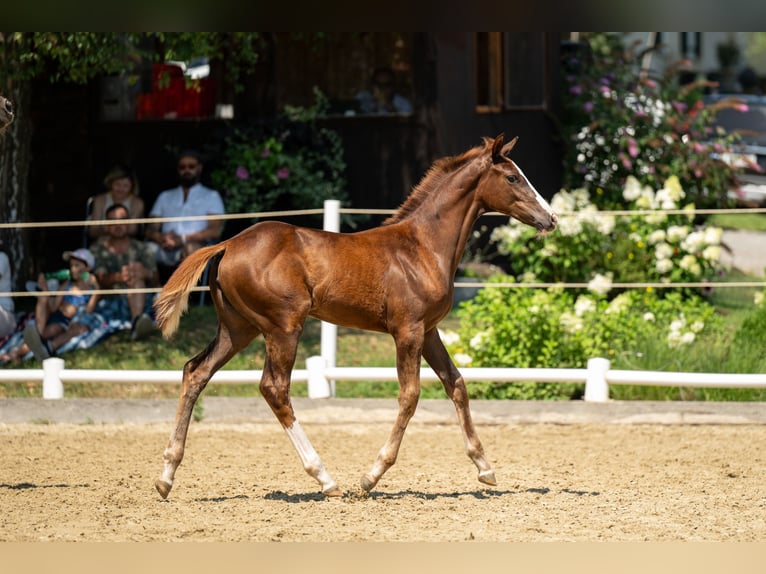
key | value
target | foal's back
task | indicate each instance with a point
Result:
(351, 279)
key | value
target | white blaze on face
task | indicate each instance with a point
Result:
(540, 198)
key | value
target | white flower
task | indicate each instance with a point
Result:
(694, 242)
(687, 338)
(563, 202)
(632, 190)
(605, 223)
(584, 305)
(549, 249)
(462, 359)
(711, 253)
(649, 317)
(646, 199)
(663, 251)
(656, 218)
(570, 323)
(665, 200)
(690, 264)
(656, 236)
(477, 341)
(663, 266)
(569, 225)
(619, 304)
(449, 337)
(713, 235)
(600, 284)
(758, 298)
(697, 326)
(677, 233)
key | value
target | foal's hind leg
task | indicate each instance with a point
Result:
(196, 374)
(440, 361)
(275, 388)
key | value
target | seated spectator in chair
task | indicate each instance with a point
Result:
(59, 318)
(172, 241)
(123, 262)
(121, 187)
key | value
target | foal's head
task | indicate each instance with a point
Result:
(6, 112)
(505, 188)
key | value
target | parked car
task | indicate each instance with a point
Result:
(750, 152)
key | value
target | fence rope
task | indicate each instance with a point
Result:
(366, 211)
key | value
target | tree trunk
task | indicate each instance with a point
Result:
(15, 146)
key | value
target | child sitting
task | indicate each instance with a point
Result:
(59, 318)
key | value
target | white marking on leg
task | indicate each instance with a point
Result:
(309, 457)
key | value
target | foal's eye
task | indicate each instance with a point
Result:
(512, 178)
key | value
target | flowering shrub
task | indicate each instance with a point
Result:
(299, 167)
(558, 328)
(622, 123)
(590, 245)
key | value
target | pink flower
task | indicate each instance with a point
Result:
(588, 107)
(632, 147)
(283, 173)
(242, 173)
(680, 107)
(743, 107)
(265, 152)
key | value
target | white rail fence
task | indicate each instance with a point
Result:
(597, 377)
(321, 371)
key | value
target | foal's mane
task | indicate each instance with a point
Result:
(432, 180)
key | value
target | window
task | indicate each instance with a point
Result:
(691, 45)
(511, 71)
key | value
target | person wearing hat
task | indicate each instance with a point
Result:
(59, 318)
(172, 241)
(121, 187)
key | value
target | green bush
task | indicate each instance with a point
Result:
(294, 164)
(555, 328)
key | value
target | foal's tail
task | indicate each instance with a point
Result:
(173, 300)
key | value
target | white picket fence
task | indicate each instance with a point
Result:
(597, 377)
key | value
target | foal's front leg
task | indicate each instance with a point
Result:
(440, 361)
(408, 353)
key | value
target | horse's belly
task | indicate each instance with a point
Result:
(352, 316)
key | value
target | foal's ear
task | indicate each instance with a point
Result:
(497, 146)
(509, 146)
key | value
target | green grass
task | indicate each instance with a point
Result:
(744, 221)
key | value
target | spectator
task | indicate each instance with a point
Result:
(382, 98)
(123, 262)
(59, 318)
(7, 314)
(172, 241)
(121, 187)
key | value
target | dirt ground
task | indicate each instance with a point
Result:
(243, 482)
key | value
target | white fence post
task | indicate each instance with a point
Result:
(319, 386)
(596, 387)
(53, 388)
(329, 330)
